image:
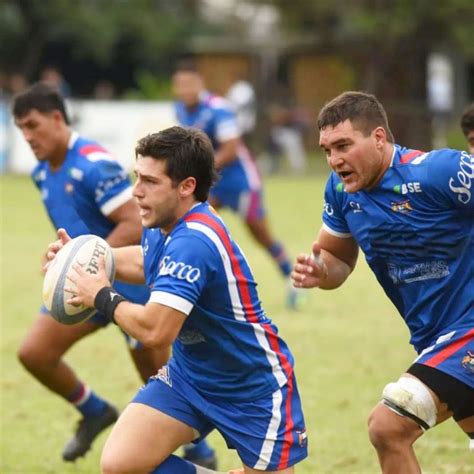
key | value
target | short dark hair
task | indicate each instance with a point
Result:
(186, 65)
(364, 111)
(39, 96)
(467, 119)
(187, 152)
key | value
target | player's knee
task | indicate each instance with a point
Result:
(27, 355)
(384, 431)
(34, 357)
(111, 463)
(410, 398)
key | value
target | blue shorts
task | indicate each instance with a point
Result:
(452, 353)
(236, 191)
(269, 434)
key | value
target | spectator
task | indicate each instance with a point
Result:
(104, 90)
(288, 125)
(241, 96)
(53, 76)
(17, 83)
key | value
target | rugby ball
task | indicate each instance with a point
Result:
(85, 251)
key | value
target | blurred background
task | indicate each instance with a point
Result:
(115, 57)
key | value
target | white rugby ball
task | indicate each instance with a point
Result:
(85, 251)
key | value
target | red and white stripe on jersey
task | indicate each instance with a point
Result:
(407, 157)
(242, 305)
(95, 153)
(244, 310)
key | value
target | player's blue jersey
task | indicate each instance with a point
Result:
(416, 231)
(89, 185)
(227, 348)
(214, 116)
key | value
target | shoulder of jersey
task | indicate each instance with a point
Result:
(217, 102)
(205, 229)
(418, 157)
(93, 152)
(39, 171)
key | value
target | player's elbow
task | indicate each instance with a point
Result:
(156, 339)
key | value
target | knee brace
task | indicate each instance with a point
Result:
(409, 397)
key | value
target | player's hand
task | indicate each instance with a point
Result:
(44, 263)
(55, 247)
(310, 270)
(84, 286)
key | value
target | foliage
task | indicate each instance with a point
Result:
(440, 22)
(151, 87)
(95, 29)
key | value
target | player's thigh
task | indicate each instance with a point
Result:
(409, 407)
(452, 396)
(48, 336)
(143, 438)
(467, 424)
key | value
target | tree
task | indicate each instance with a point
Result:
(94, 29)
(388, 42)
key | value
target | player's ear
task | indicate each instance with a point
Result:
(57, 116)
(187, 186)
(380, 137)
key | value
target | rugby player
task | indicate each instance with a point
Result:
(412, 214)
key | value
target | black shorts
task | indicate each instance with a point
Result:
(457, 395)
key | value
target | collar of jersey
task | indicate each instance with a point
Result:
(72, 140)
(191, 210)
(396, 150)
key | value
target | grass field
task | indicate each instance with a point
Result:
(347, 344)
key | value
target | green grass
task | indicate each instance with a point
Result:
(347, 344)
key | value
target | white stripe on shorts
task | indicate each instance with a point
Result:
(266, 452)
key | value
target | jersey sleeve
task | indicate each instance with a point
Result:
(226, 127)
(38, 175)
(334, 221)
(109, 184)
(451, 175)
(188, 263)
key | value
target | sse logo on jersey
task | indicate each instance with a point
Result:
(464, 177)
(179, 270)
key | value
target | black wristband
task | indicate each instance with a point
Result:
(106, 300)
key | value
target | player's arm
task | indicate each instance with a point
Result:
(227, 152)
(129, 264)
(332, 260)
(128, 228)
(154, 325)
(227, 134)
(111, 189)
(128, 260)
